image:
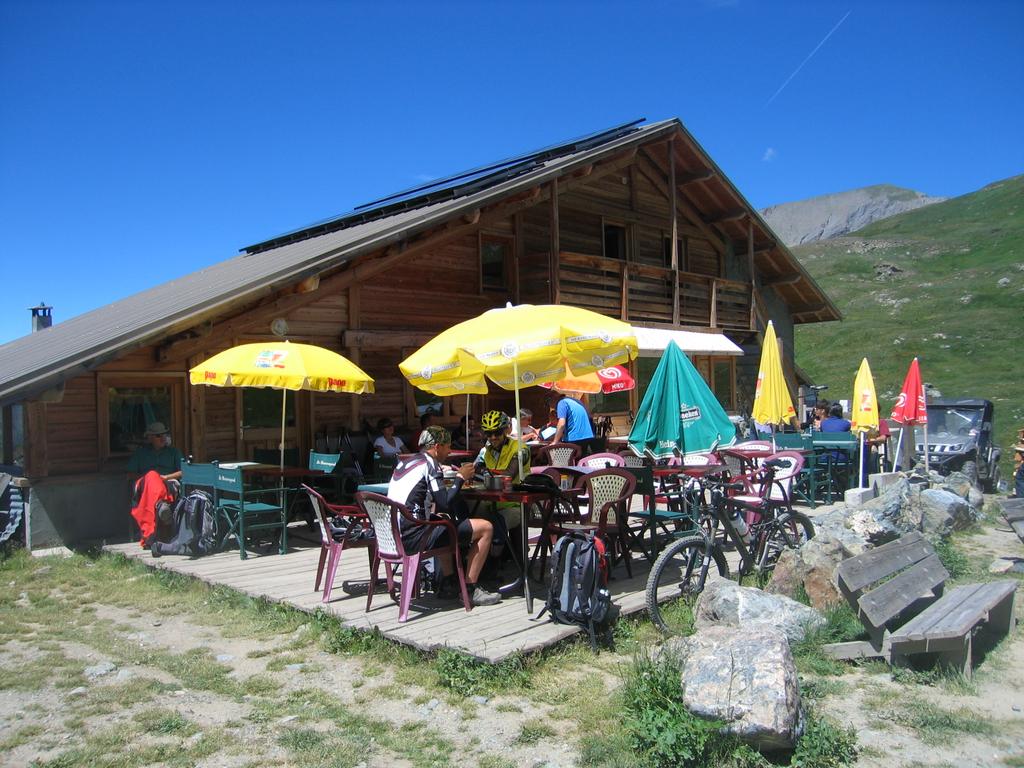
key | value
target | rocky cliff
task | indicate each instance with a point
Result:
(819, 218)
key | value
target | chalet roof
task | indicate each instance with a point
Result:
(41, 360)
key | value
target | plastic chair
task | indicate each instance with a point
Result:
(762, 498)
(334, 541)
(630, 459)
(559, 454)
(384, 515)
(609, 492)
(602, 460)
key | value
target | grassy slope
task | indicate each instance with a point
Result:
(968, 347)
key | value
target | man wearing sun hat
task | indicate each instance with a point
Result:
(157, 454)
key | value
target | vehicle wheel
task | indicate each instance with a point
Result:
(790, 530)
(676, 579)
(970, 468)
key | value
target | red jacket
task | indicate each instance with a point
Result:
(149, 490)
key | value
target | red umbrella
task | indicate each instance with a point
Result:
(605, 380)
(911, 407)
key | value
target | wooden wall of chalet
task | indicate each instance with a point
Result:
(425, 294)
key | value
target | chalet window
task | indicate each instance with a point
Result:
(723, 381)
(495, 260)
(614, 241)
(130, 409)
(12, 435)
(128, 403)
(680, 251)
(261, 408)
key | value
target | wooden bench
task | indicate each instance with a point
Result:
(1013, 513)
(897, 591)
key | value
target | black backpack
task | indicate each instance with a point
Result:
(579, 585)
(199, 527)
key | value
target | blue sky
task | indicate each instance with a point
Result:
(143, 140)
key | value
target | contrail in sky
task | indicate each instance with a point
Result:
(809, 55)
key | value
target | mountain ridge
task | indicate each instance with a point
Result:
(944, 283)
(839, 213)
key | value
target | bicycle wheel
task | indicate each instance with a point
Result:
(677, 577)
(789, 530)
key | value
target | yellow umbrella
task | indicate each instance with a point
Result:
(865, 408)
(282, 365)
(518, 346)
(865, 404)
(772, 403)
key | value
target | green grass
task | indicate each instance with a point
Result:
(961, 247)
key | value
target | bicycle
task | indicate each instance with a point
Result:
(681, 570)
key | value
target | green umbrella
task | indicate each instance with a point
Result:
(679, 411)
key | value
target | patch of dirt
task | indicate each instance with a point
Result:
(475, 727)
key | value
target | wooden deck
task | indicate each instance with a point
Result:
(489, 633)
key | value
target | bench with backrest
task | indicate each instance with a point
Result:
(1013, 513)
(898, 592)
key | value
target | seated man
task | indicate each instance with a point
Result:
(499, 455)
(419, 479)
(159, 455)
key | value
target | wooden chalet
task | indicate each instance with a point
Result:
(636, 222)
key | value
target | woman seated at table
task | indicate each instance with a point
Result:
(418, 480)
(388, 444)
(525, 424)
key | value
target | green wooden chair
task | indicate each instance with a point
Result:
(253, 511)
(673, 519)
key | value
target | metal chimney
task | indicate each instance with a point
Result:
(41, 317)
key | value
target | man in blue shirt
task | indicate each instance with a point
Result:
(835, 421)
(573, 422)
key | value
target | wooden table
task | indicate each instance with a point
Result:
(524, 498)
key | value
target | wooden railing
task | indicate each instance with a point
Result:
(643, 293)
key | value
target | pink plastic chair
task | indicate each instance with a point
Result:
(384, 515)
(602, 460)
(331, 545)
(559, 454)
(609, 492)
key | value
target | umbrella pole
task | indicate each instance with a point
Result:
(861, 457)
(467, 421)
(284, 410)
(927, 468)
(280, 445)
(525, 523)
(899, 444)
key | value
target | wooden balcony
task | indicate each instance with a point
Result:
(640, 293)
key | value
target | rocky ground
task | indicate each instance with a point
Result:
(104, 676)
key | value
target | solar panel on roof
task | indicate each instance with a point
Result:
(449, 187)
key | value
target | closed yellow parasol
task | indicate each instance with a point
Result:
(772, 403)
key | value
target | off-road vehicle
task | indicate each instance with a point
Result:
(960, 439)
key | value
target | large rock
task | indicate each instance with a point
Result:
(810, 569)
(726, 603)
(943, 512)
(744, 677)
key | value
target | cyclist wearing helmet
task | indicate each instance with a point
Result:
(499, 453)
(418, 483)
